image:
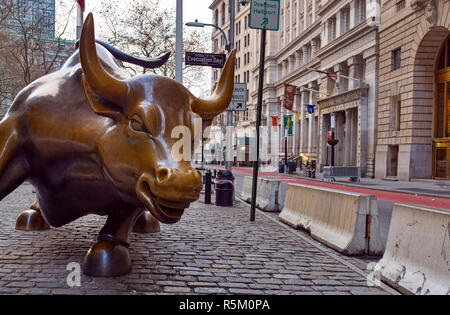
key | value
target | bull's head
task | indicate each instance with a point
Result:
(136, 150)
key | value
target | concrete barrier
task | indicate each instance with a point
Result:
(246, 193)
(282, 188)
(347, 222)
(267, 197)
(416, 260)
(266, 194)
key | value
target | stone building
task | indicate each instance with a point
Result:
(414, 95)
(315, 34)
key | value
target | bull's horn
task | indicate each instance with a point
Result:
(104, 84)
(221, 97)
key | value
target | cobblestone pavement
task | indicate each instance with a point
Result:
(212, 250)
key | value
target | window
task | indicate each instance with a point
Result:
(223, 13)
(360, 11)
(400, 5)
(216, 17)
(345, 20)
(396, 59)
(332, 29)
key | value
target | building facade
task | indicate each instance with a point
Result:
(29, 16)
(413, 138)
(333, 36)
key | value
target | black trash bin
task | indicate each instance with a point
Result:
(281, 168)
(292, 166)
(224, 186)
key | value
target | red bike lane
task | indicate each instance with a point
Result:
(390, 196)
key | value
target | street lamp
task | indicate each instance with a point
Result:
(200, 24)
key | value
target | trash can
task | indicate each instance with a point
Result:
(281, 168)
(224, 187)
(292, 166)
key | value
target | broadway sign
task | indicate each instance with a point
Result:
(202, 59)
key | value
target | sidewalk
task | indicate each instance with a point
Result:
(418, 187)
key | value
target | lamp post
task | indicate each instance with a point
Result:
(228, 46)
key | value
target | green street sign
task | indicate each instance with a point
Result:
(265, 14)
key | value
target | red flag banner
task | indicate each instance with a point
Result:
(81, 4)
(289, 94)
(331, 75)
(275, 122)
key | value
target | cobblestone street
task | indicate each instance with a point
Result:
(212, 250)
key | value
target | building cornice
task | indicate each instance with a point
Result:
(344, 40)
(313, 27)
(300, 72)
(325, 7)
(213, 4)
(342, 98)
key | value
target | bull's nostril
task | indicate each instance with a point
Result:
(162, 174)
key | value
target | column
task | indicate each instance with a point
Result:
(340, 135)
(291, 63)
(285, 67)
(306, 50)
(303, 124)
(354, 71)
(313, 47)
(296, 130)
(311, 121)
(352, 14)
(298, 59)
(354, 133)
(338, 23)
(370, 116)
(339, 84)
(348, 137)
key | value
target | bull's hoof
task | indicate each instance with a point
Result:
(146, 223)
(31, 220)
(107, 259)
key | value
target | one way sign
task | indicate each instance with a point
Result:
(238, 100)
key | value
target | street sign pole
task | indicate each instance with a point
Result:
(229, 153)
(258, 122)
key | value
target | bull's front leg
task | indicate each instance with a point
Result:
(146, 223)
(110, 257)
(32, 220)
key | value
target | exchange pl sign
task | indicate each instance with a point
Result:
(265, 14)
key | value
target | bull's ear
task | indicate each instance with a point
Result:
(98, 104)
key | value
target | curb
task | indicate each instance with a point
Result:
(359, 186)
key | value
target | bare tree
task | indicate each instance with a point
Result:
(144, 28)
(30, 48)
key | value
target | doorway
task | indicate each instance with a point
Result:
(441, 140)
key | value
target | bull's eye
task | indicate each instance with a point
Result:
(136, 125)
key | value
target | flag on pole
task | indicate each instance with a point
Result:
(310, 108)
(81, 4)
(289, 94)
(331, 75)
(274, 122)
(298, 117)
(287, 119)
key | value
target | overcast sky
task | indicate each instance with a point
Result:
(192, 9)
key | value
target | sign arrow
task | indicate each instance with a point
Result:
(265, 21)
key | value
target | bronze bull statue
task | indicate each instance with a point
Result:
(92, 139)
